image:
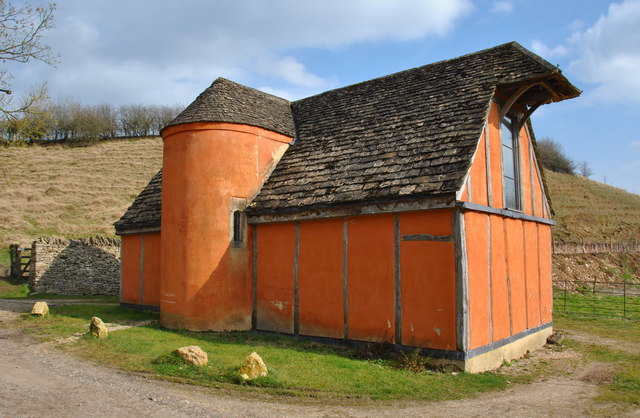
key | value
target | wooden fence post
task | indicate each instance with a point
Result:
(14, 255)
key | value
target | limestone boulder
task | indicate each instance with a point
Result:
(193, 355)
(97, 328)
(253, 367)
(40, 309)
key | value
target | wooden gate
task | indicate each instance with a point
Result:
(20, 262)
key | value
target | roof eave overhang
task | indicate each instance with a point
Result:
(351, 209)
(554, 87)
(134, 229)
(530, 93)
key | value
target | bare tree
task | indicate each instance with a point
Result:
(584, 170)
(552, 157)
(21, 40)
(136, 120)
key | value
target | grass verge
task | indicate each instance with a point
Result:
(307, 369)
(13, 288)
(602, 306)
(624, 386)
(296, 367)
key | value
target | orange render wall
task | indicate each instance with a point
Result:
(544, 265)
(130, 286)
(355, 256)
(514, 292)
(500, 309)
(516, 274)
(531, 188)
(428, 281)
(151, 271)
(320, 278)
(141, 269)
(275, 277)
(370, 273)
(508, 260)
(477, 240)
(205, 281)
(532, 273)
(478, 175)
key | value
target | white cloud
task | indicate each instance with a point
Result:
(634, 144)
(608, 53)
(285, 94)
(502, 6)
(543, 50)
(118, 50)
(292, 71)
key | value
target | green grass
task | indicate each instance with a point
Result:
(296, 367)
(101, 298)
(13, 288)
(625, 387)
(585, 304)
(617, 329)
(5, 257)
(299, 367)
(65, 321)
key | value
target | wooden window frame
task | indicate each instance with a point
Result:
(510, 121)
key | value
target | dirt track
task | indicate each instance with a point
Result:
(37, 380)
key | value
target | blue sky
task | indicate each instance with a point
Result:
(167, 52)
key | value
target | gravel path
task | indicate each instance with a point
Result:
(38, 380)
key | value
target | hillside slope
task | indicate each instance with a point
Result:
(592, 211)
(79, 192)
(71, 191)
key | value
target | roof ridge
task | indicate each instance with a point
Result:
(535, 57)
(226, 80)
(513, 44)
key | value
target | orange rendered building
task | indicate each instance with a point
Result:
(409, 209)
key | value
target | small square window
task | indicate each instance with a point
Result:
(237, 227)
(237, 222)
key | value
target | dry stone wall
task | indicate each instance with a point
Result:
(88, 266)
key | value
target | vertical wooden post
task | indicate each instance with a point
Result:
(397, 278)
(254, 278)
(594, 297)
(345, 278)
(565, 295)
(624, 299)
(296, 298)
(14, 255)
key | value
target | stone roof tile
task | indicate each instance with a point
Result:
(226, 101)
(145, 211)
(406, 135)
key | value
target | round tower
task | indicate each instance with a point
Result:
(217, 155)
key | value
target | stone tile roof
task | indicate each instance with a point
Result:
(407, 135)
(145, 211)
(226, 101)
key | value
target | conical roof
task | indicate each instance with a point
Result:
(226, 101)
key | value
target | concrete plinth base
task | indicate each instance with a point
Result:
(494, 358)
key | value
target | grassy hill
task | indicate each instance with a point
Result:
(79, 192)
(71, 191)
(592, 211)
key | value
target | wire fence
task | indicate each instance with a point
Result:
(597, 298)
(596, 247)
